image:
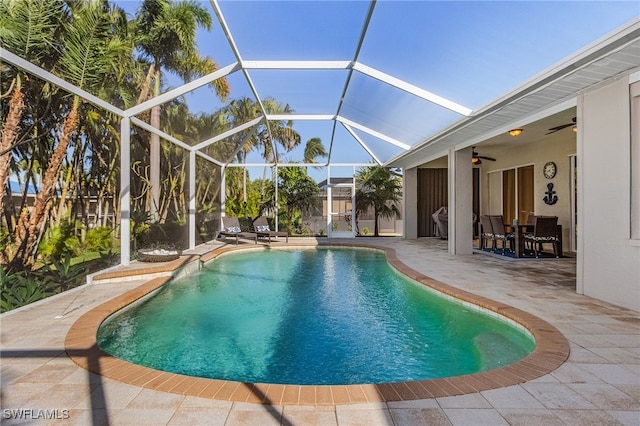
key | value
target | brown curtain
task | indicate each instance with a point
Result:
(525, 193)
(509, 195)
(432, 194)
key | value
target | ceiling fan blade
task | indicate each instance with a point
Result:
(486, 158)
(557, 128)
(563, 126)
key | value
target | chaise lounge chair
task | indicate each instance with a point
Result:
(231, 228)
(261, 227)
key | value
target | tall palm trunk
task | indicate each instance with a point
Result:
(9, 136)
(375, 223)
(65, 189)
(30, 222)
(146, 86)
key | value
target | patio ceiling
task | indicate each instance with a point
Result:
(398, 82)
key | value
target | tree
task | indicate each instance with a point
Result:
(92, 51)
(314, 149)
(281, 131)
(166, 33)
(297, 194)
(29, 29)
(379, 188)
(240, 111)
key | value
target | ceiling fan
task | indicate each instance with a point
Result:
(562, 126)
(477, 159)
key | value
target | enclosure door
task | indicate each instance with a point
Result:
(340, 218)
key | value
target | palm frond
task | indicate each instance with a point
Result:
(29, 29)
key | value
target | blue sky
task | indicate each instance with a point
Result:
(468, 52)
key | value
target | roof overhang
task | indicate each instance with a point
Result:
(616, 55)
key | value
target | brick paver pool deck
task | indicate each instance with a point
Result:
(52, 367)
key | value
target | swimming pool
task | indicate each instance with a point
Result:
(315, 316)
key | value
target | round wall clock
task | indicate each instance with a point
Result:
(549, 170)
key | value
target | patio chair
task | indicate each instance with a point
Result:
(545, 232)
(231, 228)
(261, 227)
(501, 234)
(486, 233)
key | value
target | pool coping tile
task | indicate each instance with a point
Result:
(551, 351)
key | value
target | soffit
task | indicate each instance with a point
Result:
(614, 57)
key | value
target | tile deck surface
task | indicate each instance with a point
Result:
(598, 384)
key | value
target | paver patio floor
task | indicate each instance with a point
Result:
(599, 383)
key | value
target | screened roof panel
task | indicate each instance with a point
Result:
(204, 99)
(383, 150)
(306, 91)
(295, 30)
(347, 149)
(469, 53)
(211, 43)
(394, 112)
(307, 131)
(472, 52)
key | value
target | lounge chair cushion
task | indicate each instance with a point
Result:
(262, 228)
(233, 229)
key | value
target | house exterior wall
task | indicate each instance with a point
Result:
(608, 263)
(557, 147)
(410, 202)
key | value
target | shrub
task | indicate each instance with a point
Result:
(365, 231)
(98, 239)
(61, 240)
(21, 288)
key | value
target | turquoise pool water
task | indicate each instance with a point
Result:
(314, 316)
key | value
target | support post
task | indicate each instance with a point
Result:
(125, 191)
(410, 203)
(192, 199)
(460, 202)
(223, 194)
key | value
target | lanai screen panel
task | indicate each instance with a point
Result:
(472, 52)
(295, 30)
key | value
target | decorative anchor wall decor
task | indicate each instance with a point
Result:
(550, 196)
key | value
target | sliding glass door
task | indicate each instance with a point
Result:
(517, 194)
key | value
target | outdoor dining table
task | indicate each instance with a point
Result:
(520, 229)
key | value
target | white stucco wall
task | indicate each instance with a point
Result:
(410, 203)
(608, 264)
(460, 202)
(557, 147)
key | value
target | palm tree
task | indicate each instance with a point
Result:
(379, 188)
(236, 113)
(30, 30)
(166, 33)
(314, 149)
(240, 111)
(297, 194)
(92, 50)
(281, 130)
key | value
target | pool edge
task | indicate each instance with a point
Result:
(552, 349)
